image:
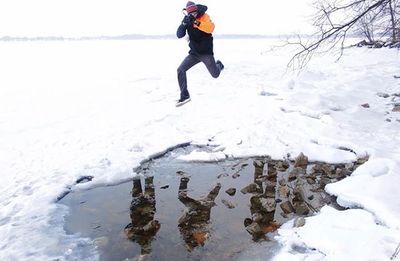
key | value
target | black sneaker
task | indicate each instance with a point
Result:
(221, 65)
(182, 101)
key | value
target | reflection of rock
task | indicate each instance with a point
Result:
(193, 224)
(298, 200)
(301, 208)
(270, 190)
(255, 230)
(268, 204)
(143, 227)
(263, 203)
(236, 175)
(251, 188)
(101, 242)
(287, 207)
(279, 165)
(258, 164)
(231, 191)
(324, 181)
(295, 173)
(283, 192)
(180, 172)
(228, 204)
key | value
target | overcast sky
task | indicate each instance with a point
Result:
(116, 17)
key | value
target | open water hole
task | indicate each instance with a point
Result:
(177, 210)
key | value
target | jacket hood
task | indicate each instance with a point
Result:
(201, 9)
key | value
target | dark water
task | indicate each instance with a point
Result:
(175, 211)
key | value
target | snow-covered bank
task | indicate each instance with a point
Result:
(70, 109)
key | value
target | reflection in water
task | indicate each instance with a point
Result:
(143, 207)
(193, 225)
(263, 203)
(274, 189)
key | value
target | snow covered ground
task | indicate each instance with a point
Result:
(70, 109)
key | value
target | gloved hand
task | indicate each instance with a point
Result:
(188, 20)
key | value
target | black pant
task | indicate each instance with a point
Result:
(189, 62)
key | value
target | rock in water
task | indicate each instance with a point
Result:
(231, 191)
(251, 188)
(287, 207)
(301, 161)
(299, 222)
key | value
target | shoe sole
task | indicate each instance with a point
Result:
(182, 103)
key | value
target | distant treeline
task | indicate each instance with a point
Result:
(135, 37)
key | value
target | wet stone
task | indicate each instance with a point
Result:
(268, 204)
(285, 216)
(327, 169)
(362, 160)
(236, 175)
(261, 179)
(383, 95)
(254, 229)
(270, 170)
(222, 175)
(180, 172)
(231, 191)
(84, 179)
(317, 168)
(258, 164)
(251, 188)
(281, 165)
(287, 207)
(296, 172)
(301, 161)
(301, 209)
(270, 190)
(257, 217)
(311, 181)
(365, 105)
(299, 222)
(247, 222)
(324, 181)
(283, 191)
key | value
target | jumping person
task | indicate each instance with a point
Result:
(199, 27)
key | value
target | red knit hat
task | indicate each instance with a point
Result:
(191, 7)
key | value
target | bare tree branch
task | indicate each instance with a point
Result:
(333, 32)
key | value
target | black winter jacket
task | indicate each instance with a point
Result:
(199, 42)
